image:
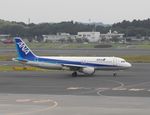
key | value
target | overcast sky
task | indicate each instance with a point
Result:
(106, 11)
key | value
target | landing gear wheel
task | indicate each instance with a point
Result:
(74, 74)
(114, 74)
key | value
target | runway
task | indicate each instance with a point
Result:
(134, 82)
(56, 92)
(13, 104)
(85, 52)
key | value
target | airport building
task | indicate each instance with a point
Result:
(91, 36)
(110, 35)
(58, 37)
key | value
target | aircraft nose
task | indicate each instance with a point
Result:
(129, 65)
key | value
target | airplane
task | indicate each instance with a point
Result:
(85, 65)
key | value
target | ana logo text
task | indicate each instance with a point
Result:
(23, 47)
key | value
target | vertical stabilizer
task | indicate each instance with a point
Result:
(22, 50)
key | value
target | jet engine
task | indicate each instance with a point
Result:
(88, 70)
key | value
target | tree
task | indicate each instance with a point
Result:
(79, 40)
(70, 40)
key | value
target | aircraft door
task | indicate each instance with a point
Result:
(114, 61)
(36, 59)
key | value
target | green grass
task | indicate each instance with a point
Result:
(60, 45)
(52, 45)
(6, 57)
(36, 45)
(20, 68)
(138, 59)
(6, 68)
(2, 45)
(116, 45)
(144, 46)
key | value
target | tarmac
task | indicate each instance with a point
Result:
(57, 92)
(27, 104)
(85, 52)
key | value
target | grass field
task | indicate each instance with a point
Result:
(52, 45)
(35, 45)
(20, 68)
(144, 46)
(138, 58)
(7, 57)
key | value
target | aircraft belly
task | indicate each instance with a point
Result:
(108, 68)
(45, 65)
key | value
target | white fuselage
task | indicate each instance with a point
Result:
(98, 63)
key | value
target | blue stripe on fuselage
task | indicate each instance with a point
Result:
(56, 61)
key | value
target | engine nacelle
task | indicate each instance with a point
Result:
(88, 70)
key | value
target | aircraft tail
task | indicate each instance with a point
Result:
(23, 51)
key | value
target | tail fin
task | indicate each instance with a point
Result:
(22, 50)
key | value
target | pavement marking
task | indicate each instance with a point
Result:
(73, 88)
(42, 101)
(118, 82)
(138, 84)
(103, 88)
(23, 100)
(78, 88)
(134, 89)
(121, 85)
(119, 89)
(55, 104)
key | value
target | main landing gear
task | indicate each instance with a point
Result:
(74, 74)
(114, 74)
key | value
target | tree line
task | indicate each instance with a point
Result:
(133, 28)
(129, 28)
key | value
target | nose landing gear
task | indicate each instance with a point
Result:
(74, 74)
(114, 74)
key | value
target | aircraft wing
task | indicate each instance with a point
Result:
(74, 66)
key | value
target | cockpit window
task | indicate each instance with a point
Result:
(123, 61)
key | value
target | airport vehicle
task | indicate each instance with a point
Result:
(86, 65)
